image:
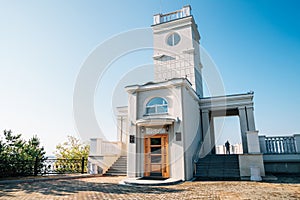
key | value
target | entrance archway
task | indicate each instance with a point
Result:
(231, 105)
(227, 129)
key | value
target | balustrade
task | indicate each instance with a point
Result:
(161, 18)
(280, 145)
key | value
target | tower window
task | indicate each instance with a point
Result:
(173, 39)
(156, 105)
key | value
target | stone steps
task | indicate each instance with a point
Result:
(218, 167)
(119, 168)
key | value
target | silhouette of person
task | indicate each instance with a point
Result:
(227, 146)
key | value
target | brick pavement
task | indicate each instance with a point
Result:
(108, 188)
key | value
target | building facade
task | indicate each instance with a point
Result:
(170, 122)
(167, 126)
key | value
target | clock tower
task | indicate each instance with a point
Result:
(177, 48)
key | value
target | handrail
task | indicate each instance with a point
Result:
(280, 145)
(161, 18)
(196, 155)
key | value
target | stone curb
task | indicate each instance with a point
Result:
(150, 184)
(32, 180)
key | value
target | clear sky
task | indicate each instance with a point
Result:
(43, 44)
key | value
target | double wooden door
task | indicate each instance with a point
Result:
(156, 156)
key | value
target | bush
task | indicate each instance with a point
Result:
(19, 157)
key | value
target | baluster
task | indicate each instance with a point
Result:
(280, 145)
(293, 145)
(267, 145)
(272, 145)
(284, 143)
(288, 145)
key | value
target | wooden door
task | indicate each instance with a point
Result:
(156, 156)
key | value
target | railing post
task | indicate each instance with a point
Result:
(82, 165)
(36, 162)
(253, 142)
(262, 143)
(157, 19)
(297, 142)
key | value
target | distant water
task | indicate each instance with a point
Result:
(50, 156)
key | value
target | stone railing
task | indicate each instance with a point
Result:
(101, 147)
(234, 149)
(280, 144)
(161, 18)
(111, 148)
(103, 154)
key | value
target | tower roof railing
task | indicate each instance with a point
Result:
(162, 18)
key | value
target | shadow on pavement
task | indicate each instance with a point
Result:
(286, 178)
(69, 187)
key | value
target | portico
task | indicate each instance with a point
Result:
(240, 105)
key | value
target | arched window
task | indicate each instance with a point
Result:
(157, 105)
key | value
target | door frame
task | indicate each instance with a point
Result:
(165, 150)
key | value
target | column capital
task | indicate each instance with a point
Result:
(241, 108)
(250, 107)
(205, 111)
(252, 132)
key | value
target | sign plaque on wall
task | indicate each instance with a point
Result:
(153, 131)
(131, 139)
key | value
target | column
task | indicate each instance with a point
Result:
(206, 149)
(253, 142)
(250, 118)
(139, 153)
(212, 135)
(119, 128)
(131, 154)
(244, 128)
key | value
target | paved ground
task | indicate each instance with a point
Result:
(108, 188)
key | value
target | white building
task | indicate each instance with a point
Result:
(167, 127)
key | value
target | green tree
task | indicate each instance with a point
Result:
(20, 157)
(70, 154)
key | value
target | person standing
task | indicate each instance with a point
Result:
(227, 146)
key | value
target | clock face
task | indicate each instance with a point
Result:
(173, 39)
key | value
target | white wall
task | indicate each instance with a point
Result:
(170, 94)
(182, 104)
(173, 97)
(131, 153)
(181, 59)
(191, 130)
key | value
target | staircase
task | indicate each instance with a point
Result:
(119, 168)
(218, 167)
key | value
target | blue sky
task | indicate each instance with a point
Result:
(43, 44)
